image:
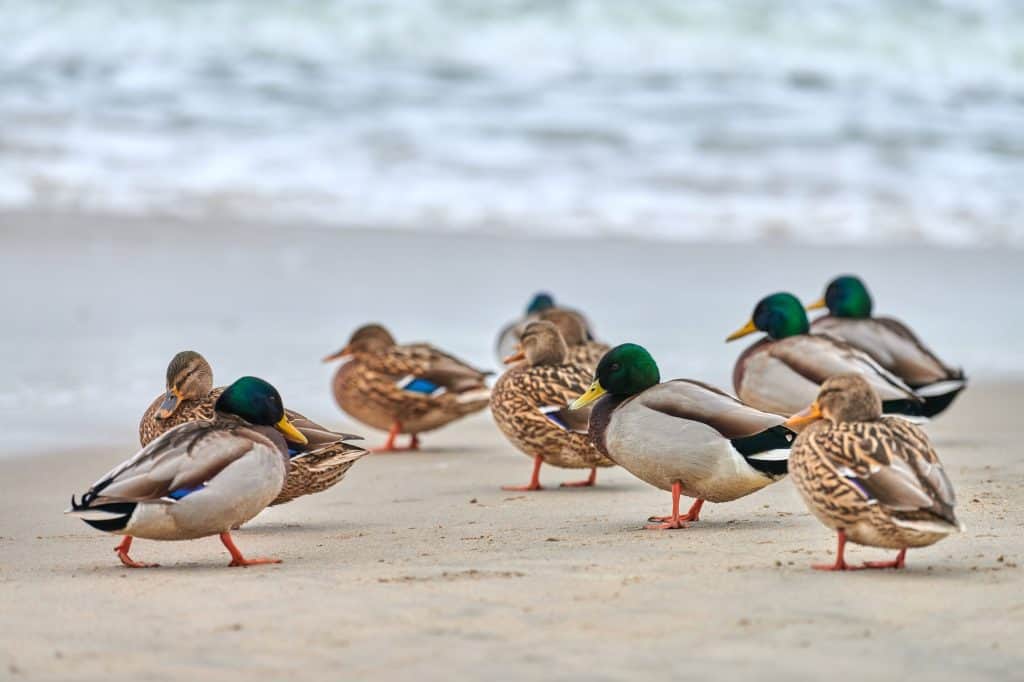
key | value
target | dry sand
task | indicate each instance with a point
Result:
(418, 567)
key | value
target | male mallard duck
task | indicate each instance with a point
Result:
(781, 373)
(404, 388)
(200, 478)
(875, 480)
(190, 396)
(681, 435)
(888, 341)
(530, 405)
(582, 349)
(508, 337)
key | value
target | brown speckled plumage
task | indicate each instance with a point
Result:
(366, 386)
(516, 402)
(191, 410)
(328, 461)
(877, 479)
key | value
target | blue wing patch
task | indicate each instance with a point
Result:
(183, 492)
(854, 479)
(420, 385)
(552, 414)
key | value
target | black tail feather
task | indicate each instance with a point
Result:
(775, 438)
(121, 513)
(935, 404)
(904, 406)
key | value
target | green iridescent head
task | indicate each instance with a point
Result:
(540, 302)
(258, 403)
(625, 370)
(846, 296)
(779, 315)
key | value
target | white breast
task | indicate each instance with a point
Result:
(660, 450)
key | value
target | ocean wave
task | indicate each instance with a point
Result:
(841, 121)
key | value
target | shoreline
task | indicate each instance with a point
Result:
(127, 222)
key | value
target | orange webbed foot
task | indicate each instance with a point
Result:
(122, 553)
(529, 487)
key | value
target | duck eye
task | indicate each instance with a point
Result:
(615, 367)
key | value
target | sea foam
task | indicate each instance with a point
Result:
(866, 121)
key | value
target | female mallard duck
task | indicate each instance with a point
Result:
(404, 389)
(681, 435)
(875, 480)
(190, 396)
(781, 373)
(582, 349)
(890, 342)
(530, 405)
(200, 478)
(508, 337)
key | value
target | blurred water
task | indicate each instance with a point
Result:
(856, 121)
(96, 310)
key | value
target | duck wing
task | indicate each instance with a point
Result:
(816, 358)
(435, 368)
(185, 457)
(890, 462)
(893, 345)
(317, 435)
(697, 401)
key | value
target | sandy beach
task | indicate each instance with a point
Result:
(418, 566)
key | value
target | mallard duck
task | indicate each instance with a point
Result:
(681, 435)
(582, 349)
(530, 405)
(200, 478)
(404, 388)
(890, 342)
(190, 396)
(875, 480)
(508, 337)
(781, 373)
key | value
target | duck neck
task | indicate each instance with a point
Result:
(600, 418)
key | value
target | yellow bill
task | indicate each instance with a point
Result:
(290, 432)
(817, 305)
(748, 328)
(804, 418)
(595, 391)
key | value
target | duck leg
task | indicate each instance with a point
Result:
(840, 564)
(236, 555)
(899, 562)
(122, 554)
(690, 516)
(588, 482)
(676, 520)
(389, 444)
(534, 483)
